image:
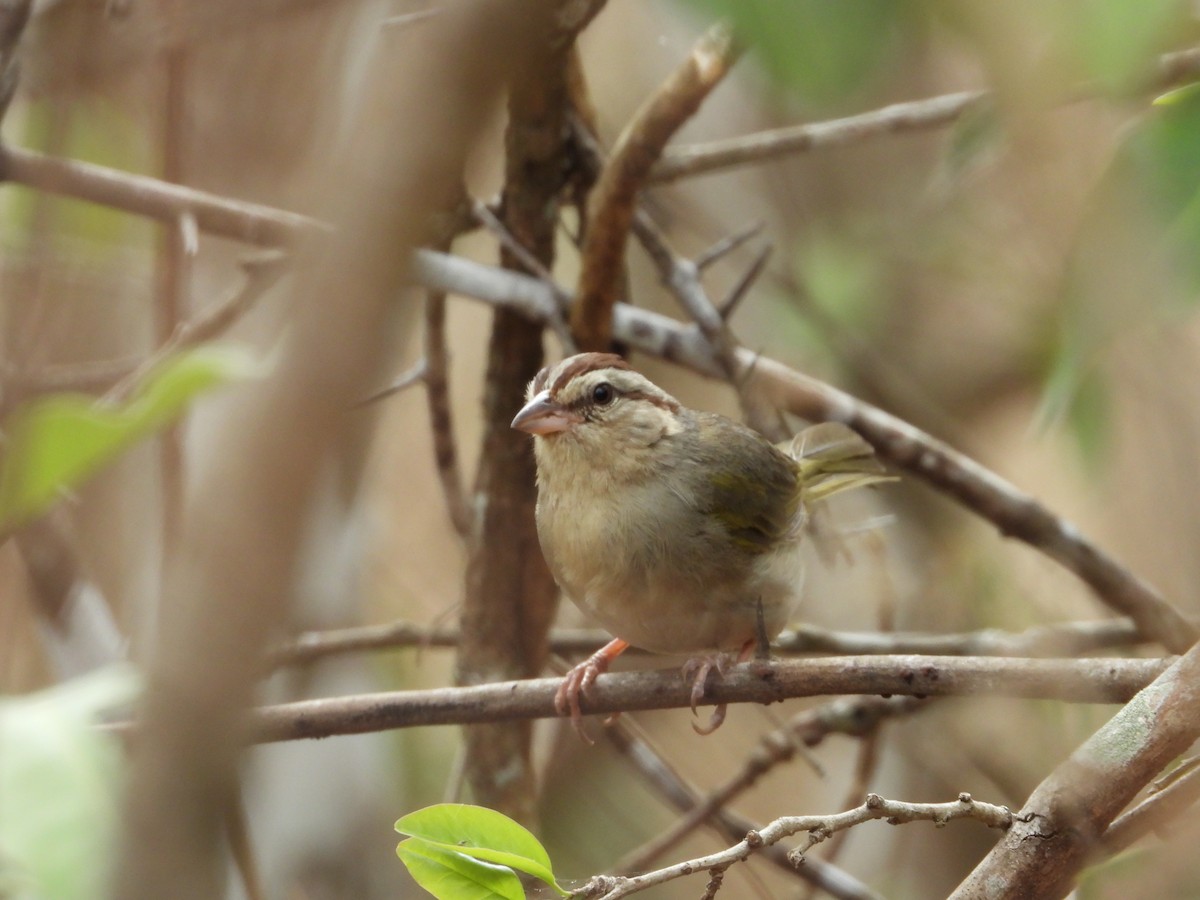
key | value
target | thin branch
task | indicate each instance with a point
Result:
(624, 174)
(855, 716)
(727, 245)
(818, 828)
(153, 198)
(262, 271)
(1064, 639)
(534, 266)
(738, 292)
(1013, 512)
(898, 118)
(1072, 681)
(671, 786)
(410, 377)
(1158, 809)
(441, 418)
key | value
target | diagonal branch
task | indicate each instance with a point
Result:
(1062, 823)
(1013, 512)
(624, 174)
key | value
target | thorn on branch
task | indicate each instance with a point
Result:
(408, 378)
(729, 305)
(727, 245)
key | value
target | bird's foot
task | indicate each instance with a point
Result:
(698, 669)
(579, 680)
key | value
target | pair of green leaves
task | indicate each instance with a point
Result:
(461, 852)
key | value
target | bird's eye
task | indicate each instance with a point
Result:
(603, 394)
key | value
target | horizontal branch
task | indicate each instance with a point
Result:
(1063, 639)
(898, 118)
(1075, 681)
(915, 115)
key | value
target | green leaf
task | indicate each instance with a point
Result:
(483, 834)
(819, 48)
(57, 441)
(450, 875)
(59, 781)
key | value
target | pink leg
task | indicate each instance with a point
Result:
(580, 678)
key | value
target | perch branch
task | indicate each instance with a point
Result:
(1075, 681)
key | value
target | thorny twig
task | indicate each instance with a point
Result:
(856, 716)
(670, 785)
(817, 829)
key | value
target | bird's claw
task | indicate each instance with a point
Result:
(697, 670)
(579, 680)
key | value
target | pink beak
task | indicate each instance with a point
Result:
(541, 415)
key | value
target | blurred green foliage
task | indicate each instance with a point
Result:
(57, 441)
(59, 784)
(818, 49)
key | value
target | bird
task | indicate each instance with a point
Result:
(679, 531)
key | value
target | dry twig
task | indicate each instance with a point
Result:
(818, 828)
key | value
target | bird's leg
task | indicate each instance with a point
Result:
(763, 642)
(581, 677)
(698, 668)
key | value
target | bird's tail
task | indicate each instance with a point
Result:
(833, 458)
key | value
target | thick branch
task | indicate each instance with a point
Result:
(1062, 823)
(1076, 681)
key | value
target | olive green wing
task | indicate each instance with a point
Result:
(752, 488)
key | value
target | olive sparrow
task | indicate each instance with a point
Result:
(676, 530)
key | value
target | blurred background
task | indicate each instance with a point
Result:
(1020, 282)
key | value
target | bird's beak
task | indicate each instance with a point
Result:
(541, 415)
